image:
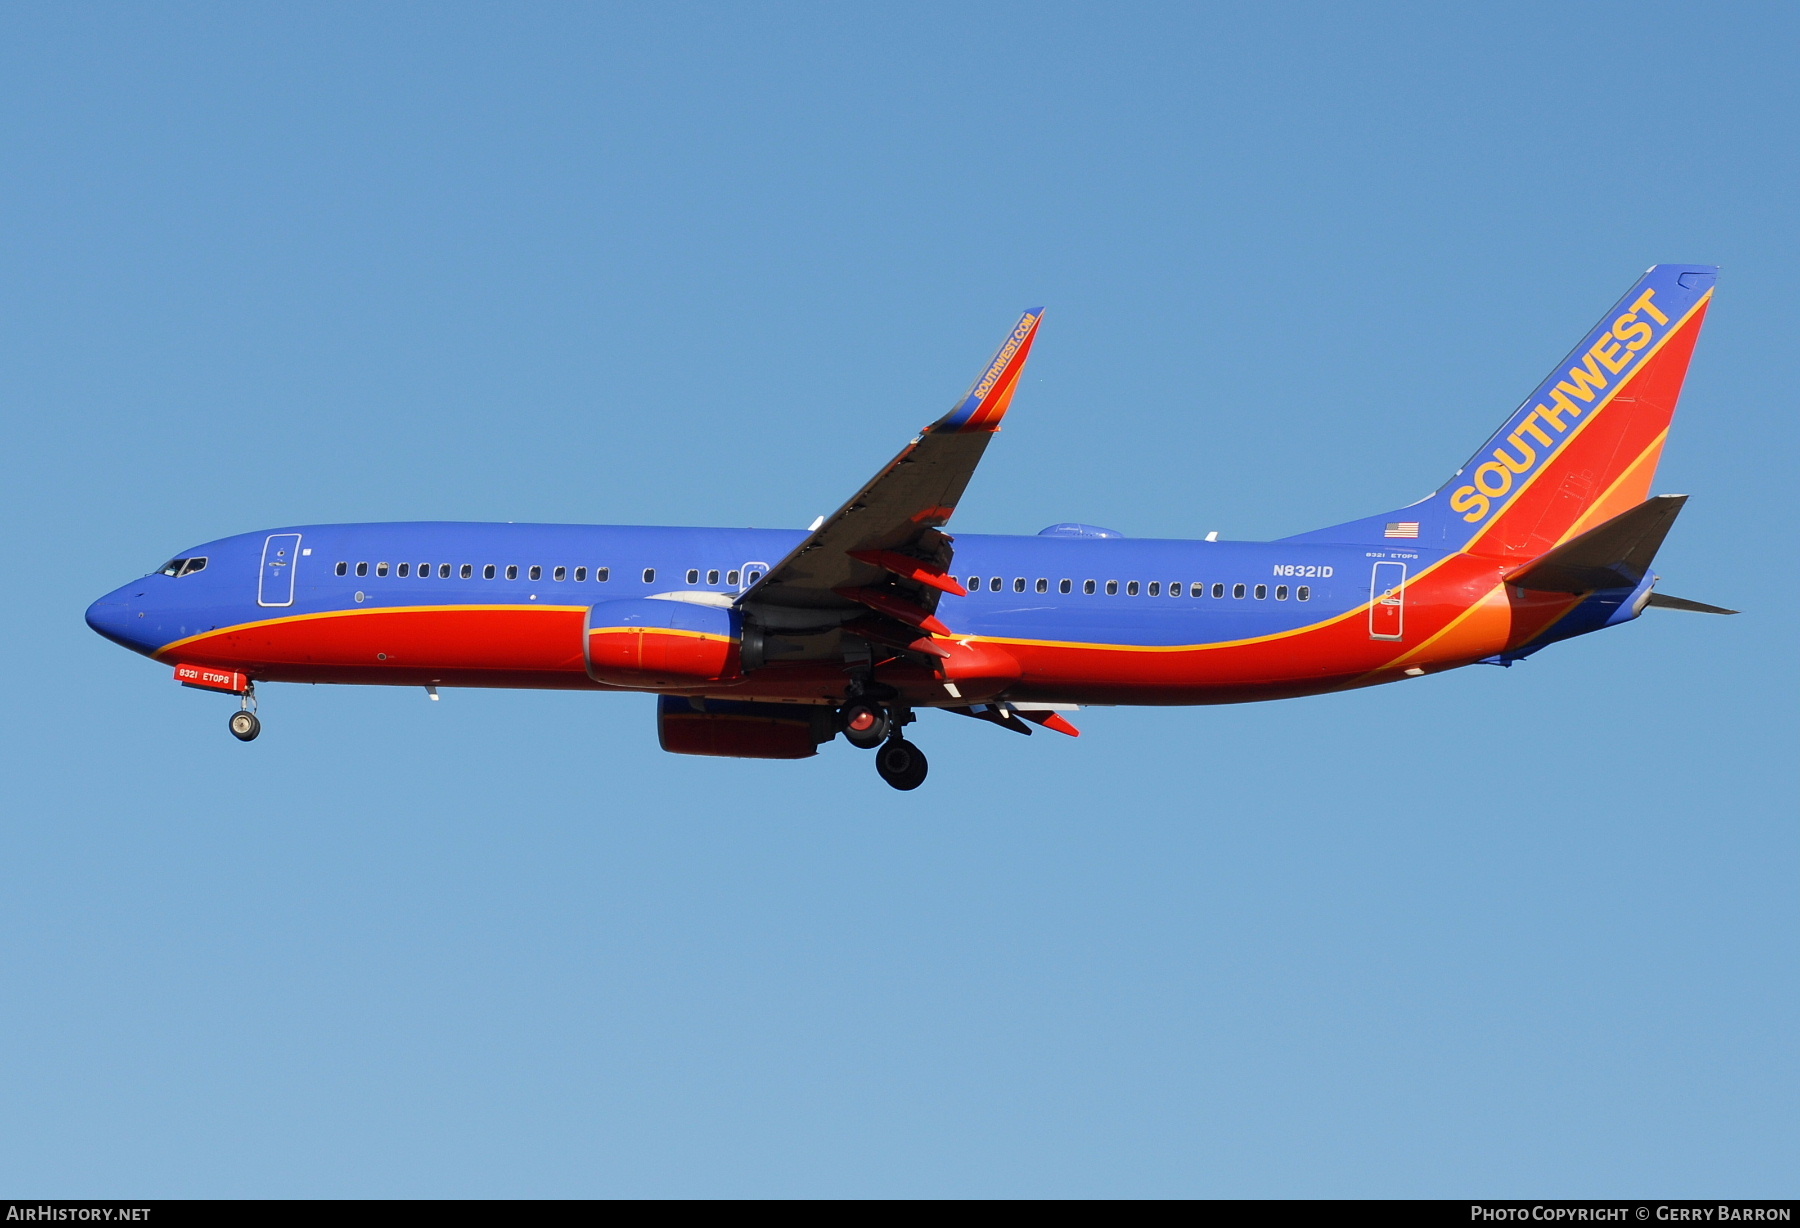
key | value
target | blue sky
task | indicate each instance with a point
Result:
(1528, 932)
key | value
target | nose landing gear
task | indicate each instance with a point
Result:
(243, 724)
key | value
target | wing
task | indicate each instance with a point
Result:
(883, 555)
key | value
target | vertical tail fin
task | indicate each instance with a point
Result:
(1581, 449)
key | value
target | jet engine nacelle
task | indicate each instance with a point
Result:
(742, 730)
(649, 644)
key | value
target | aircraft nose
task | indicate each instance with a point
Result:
(114, 617)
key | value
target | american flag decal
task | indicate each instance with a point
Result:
(1404, 528)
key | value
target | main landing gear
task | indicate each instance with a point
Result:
(869, 725)
(901, 764)
(865, 725)
(243, 724)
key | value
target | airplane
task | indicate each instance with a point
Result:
(769, 643)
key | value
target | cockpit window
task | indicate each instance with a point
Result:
(182, 567)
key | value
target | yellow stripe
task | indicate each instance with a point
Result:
(1255, 639)
(699, 635)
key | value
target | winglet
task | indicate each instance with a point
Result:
(987, 401)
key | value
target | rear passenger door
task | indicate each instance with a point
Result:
(1387, 602)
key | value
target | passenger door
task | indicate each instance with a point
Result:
(280, 554)
(1387, 601)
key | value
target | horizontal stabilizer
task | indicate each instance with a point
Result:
(1614, 554)
(1682, 603)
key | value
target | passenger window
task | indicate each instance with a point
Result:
(404, 570)
(995, 584)
(1112, 588)
(1131, 590)
(443, 571)
(424, 572)
(693, 576)
(731, 577)
(649, 575)
(489, 571)
(362, 569)
(1155, 589)
(580, 574)
(1018, 584)
(1065, 586)
(468, 571)
(1262, 592)
(1174, 588)
(560, 574)
(381, 569)
(1237, 591)
(974, 584)
(1043, 585)
(1087, 586)
(602, 574)
(1304, 592)
(754, 576)
(1281, 592)
(343, 569)
(712, 577)
(512, 571)
(1218, 590)
(536, 572)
